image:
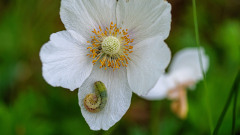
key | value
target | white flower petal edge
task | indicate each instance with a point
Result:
(64, 60)
(160, 90)
(186, 67)
(118, 101)
(144, 18)
(149, 60)
(83, 16)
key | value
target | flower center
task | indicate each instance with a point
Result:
(110, 47)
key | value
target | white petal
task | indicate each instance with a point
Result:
(186, 67)
(160, 90)
(64, 60)
(118, 101)
(148, 62)
(144, 18)
(83, 16)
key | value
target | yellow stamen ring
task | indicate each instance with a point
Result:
(110, 47)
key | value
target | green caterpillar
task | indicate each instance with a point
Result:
(95, 102)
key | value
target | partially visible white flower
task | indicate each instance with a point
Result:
(159, 91)
(184, 72)
(185, 67)
(120, 43)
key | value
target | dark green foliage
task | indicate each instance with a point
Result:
(29, 106)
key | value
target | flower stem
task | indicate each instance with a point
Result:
(201, 64)
(233, 91)
(234, 109)
(155, 111)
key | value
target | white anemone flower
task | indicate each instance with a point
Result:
(184, 72)
(120, 43)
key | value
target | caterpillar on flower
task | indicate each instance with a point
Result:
(95, 102)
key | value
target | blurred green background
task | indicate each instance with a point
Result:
(29, 106)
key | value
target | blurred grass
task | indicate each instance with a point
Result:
(29, 106)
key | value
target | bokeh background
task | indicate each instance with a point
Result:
(29, 106)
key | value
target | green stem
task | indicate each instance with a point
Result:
(234, 112)
(234, 89)
(201, 64)
(155, 110)
(234, 106)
